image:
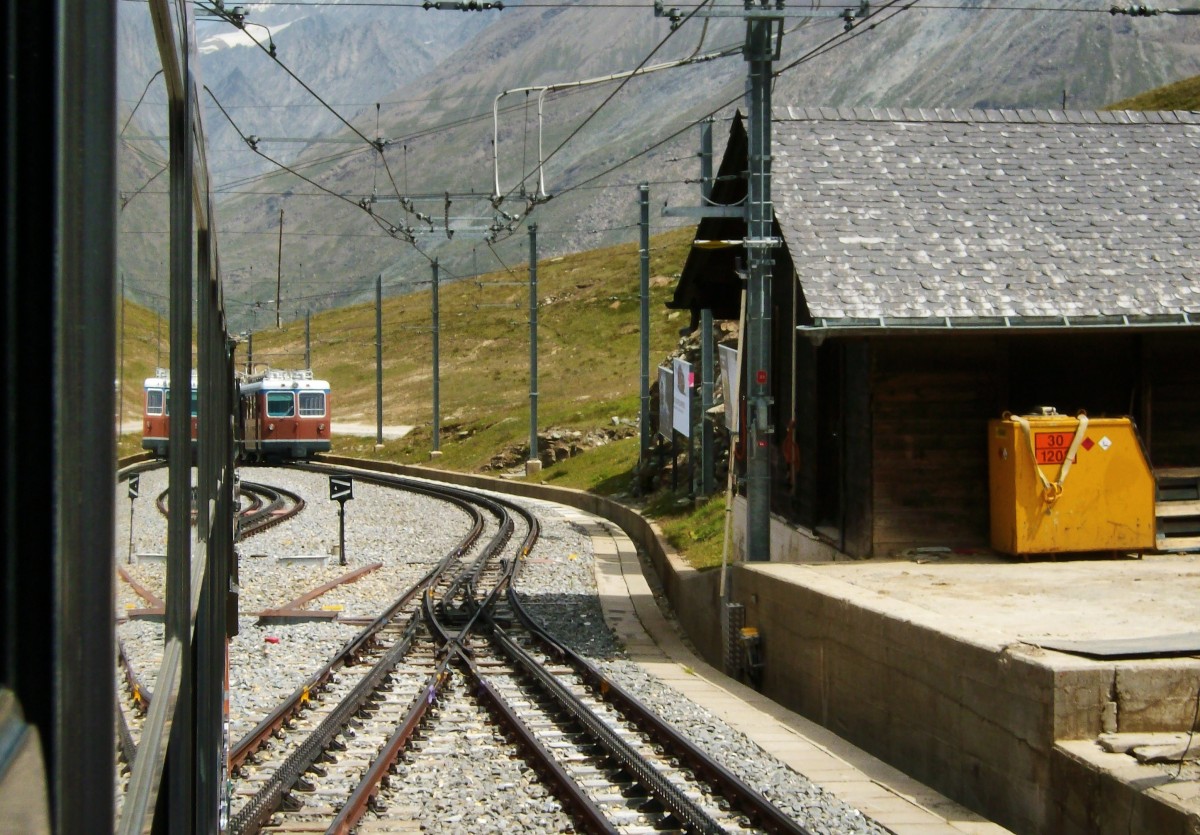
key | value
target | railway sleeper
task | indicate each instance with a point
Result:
(635, 790)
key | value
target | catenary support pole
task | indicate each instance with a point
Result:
(379, 360)
(759, 243)
(706, 160)
(121, 382)
(707, 465)
(308, 339)
(644, 338)
(279, 272)
(533, 464)
(437, 406)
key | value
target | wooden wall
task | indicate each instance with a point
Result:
(910, 422)
(1172, 363)
(857, 431)
(931, 400)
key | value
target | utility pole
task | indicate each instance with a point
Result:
(279, 271)
(644, 297)
(764, 38)
(121, 385)
(437, 407)
(759, 52)
(533, 464)
(308, 339)
(379, 360)
(707, 465)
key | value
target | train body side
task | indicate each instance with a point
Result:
(284, 415)
(156, 416)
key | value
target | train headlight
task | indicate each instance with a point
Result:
(270, 427)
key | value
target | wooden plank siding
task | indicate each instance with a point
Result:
(857, 430)
(930, 403)
(804, 502)
(1173, 365)
(907, 417)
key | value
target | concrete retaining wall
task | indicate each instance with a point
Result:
(980, 722)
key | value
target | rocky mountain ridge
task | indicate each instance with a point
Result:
(435, 76)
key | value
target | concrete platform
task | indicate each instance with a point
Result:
(898, 802)
(927, 667)
(939, 667)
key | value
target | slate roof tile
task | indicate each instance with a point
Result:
(932, 213)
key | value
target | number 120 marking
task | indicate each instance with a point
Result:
(1051, 447)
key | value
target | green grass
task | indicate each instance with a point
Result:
(695, 532)
(588, 363)
(1182, 95)
(606, 470)
(588, 372)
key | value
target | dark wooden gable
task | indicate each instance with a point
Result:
(709, 278)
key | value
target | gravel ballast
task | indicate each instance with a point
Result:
(408, 533)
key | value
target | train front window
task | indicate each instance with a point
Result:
(312, 403)
(154, 401)
(280, 404)
(195, 402)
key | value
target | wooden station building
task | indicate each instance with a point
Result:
(938, 268)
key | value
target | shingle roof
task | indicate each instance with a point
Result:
(973, 215)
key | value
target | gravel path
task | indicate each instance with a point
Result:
(407, 533)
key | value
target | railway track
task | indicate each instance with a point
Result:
(261, 506)
(457, 654)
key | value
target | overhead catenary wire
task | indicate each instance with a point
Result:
(637, 6)
(390, 228)
(499, 198)
(141, 98)
(590, 182)
(817, 51)
(378, 144)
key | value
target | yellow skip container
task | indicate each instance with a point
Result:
(1063, 484)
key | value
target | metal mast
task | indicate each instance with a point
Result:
(761, 49)
(764, 38)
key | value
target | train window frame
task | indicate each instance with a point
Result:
(310, 411)
(276, 399)
(153, 408)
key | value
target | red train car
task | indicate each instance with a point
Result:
(156, 412)
(284, 414)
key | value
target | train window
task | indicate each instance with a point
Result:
(312, 403)
(195, 402)
(280, 404)
(154, 401)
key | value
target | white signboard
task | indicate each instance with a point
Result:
(681, 410)
(665, 399)
(730, 378)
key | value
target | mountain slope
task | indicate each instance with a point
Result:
(436, 112)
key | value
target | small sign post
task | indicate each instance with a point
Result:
(133, 482)
(341, 490)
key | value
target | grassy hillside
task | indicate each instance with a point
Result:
(588, 353)
(588, 361)
(141, 333)
(1182, 95)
